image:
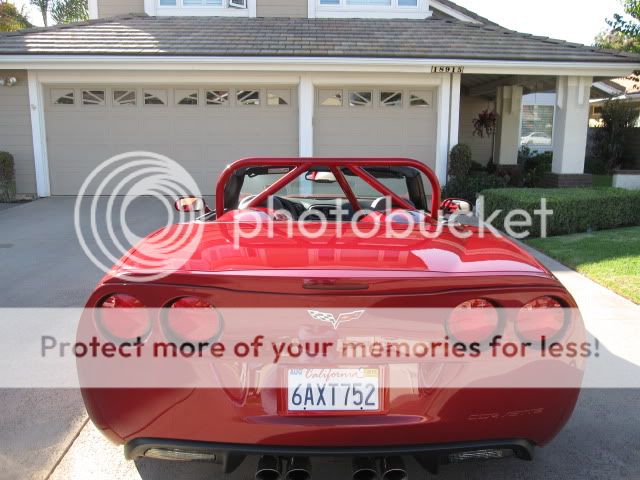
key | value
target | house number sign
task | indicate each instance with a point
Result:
(446, 69)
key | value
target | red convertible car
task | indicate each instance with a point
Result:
(379, 412)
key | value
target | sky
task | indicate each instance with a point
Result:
(574, 20)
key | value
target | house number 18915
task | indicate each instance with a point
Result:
(446, 69)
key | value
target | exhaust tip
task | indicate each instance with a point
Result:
(393, 468)
(298, 468)
(364, 469)
(268, 468)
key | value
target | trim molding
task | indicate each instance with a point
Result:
(39, 135)
(93, 11)
(312, 64)
(442, 135)
(452, 13)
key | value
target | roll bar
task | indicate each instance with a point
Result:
(301, 165)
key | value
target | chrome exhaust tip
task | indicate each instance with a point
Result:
(298, 468)
(364, 469)
(268, 468)
(393, 469)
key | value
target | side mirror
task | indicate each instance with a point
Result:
(190, 204)
(320, 177)
(455, 205)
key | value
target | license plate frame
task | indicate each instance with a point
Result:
(382, 393)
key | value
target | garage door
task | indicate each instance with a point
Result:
(379, 122)
(204, 129)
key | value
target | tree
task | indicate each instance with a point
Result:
(618, 116)
(43, 6)
(66, 11)
(12, 19)
(624, 33)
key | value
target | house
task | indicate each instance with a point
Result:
(209, 81)
(627, 89)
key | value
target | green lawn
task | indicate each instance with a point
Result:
(609, 257)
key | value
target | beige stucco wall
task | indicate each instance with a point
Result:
(470, 107)
(110, 8)
(15, 130)
(281, 8)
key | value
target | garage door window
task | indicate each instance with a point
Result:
(248, 97)
(420, 99)
(155, 97)
(360, 99)
(278, 97)
(330, 98)
(93, 97)
(391, 99)
(123, 98)
(217, 97)
(186, 97)
(62, 96)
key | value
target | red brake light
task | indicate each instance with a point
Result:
(475, 320)
(193, 319)
(118, 317)
(541, 317)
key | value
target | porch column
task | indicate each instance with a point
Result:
(454, 121)
(38, 134)
(509, 109)
(571, 124)
(306, 99)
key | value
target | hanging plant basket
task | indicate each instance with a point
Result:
(485, 123)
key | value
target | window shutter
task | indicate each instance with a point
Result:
(238, 3)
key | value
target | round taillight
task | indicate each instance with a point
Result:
(541, 317)
(123, 317)
(472, 321)
(193, 319)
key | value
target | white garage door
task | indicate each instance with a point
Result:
(379, 122)
(204, 129)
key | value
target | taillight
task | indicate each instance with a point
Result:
(123, 317)
(472, 321)
(193, 319)
(541, 317)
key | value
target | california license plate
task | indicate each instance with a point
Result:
(333, 390)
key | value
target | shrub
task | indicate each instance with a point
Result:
(460, 160)
(618, 117)
(534, 166)
(575, 210)
(7, 178)
(470, 186)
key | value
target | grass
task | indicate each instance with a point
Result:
(609, 257)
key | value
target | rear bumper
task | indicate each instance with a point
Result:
(231, 455)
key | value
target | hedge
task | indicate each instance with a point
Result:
(7, 178)
(575, 210)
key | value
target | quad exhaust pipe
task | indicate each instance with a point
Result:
(393, 468)
(364, 469)
(298, 468)
(268, 468)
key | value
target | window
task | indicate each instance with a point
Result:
(248, 97)
(370, 3)
(359, 99)
(278, 97)
(537, 125)
(124, 97)
(93, 97)
(167, 3)
(62, 96)
(330, 98)
(391, 99)
(420, 99)
(217, 97)
(186, 97)
(201, 3)
(155, 97)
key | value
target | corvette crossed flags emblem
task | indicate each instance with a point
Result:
(330, 318)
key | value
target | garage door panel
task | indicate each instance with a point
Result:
(376, 129)
(204, 138)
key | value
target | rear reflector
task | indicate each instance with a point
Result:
(179, 455)
(475, 320)
(193, 319)
(123, 317)
(541, 317)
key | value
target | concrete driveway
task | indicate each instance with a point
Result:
(45, 433)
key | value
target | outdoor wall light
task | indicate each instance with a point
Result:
(8, 81)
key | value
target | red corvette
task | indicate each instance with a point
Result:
(322, 237)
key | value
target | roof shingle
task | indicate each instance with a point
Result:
(433, 38)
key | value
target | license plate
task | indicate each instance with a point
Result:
(333, 390)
